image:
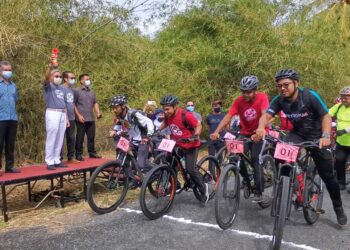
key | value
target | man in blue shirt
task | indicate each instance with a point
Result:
(212, 121)
(8, 116)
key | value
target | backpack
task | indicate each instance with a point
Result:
(336, 112)
(133, 119)
(184, 121)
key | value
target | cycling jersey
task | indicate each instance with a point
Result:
(342, 114)
(305, 112)
(180, 131)
(249, 112)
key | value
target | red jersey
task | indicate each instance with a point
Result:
(179, 131)
(285, 123)
(249, 112)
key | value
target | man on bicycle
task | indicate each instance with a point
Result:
(138, 126)
(311, 121)
(185, 129)
(249, 106)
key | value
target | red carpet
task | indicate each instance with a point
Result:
(41, 171)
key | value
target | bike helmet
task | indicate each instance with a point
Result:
(119, 100)
(249, 83)
(169, 100)
(287, 73)
(345, 91)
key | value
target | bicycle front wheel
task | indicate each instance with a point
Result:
(269, 172)
(313, 195)
(227, 196)
(107, 187)
(158, 191)
(281, 206)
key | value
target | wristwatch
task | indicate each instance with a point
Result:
(325, 135)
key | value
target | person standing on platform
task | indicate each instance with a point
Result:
(8, 116)
(56, 120)
(85, 105)
(69, 81)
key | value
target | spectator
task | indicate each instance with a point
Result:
(55, 117)
(149, 109)
(85, 105)
(68, 82)
(8, 116)
(212, 121)
(190, 107)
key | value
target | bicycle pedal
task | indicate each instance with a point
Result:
(320, 211)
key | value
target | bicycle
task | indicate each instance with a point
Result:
(109, 183)
(297, 176)
(168, 177)
(227, 197)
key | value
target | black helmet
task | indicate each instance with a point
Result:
(119, 100)
(249, 83)
(169, 100)
(287, 73)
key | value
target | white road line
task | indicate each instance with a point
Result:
(245, 233)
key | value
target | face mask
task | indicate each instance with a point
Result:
(7, 74)
(71, 81)
(57, 80)
(190, 108)
(217, 110)
(87, 83)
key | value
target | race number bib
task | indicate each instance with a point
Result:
(229, 136)
(274, 134)
(123, 144)
(234, 146)
(286, 152)
(167, 145)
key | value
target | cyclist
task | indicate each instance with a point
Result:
(181, 130)
(311, 121)
(341, 111)
(138, 126)
(249, 106)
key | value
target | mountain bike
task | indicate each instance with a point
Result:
(110, 182)
(297, 182)
(227, 197)
(169, 176)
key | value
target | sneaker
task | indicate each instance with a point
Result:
(79, 158)
(342, 186)
(94, 155)
(205, 196)
(61, 165)
(12, 170)
(51, 167)
(257, 198)
(72, 160)
(341, 216)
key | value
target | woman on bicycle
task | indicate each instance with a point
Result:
(311, 121)
(184, 126)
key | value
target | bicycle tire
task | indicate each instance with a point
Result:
(221, 198)
(117, 182)
(222, 156)
(280, 203)
(269, 169)
(161, 174)
(207, 176)
(313, 195)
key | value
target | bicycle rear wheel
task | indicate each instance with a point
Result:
(107, 187)
(280, 206)
(313, 195)
(207, 176)
(269, 171)
(158, 191)
(227, 196)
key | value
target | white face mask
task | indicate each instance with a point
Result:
(57, 81)
(87, 83)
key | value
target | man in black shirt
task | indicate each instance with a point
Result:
(309, 116)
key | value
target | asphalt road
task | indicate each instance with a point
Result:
(187, 226)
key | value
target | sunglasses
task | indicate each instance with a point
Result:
(190, 105)
(284, 85)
